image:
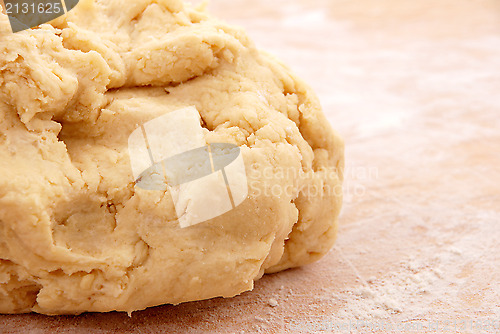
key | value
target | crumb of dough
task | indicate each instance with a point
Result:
(76, 234)
(273, 302)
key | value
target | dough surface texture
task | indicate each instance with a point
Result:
(77, 234)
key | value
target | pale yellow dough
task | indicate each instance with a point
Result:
(76, 234)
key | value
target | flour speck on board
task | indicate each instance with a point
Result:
(392, 294)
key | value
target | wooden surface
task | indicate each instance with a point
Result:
(413, 86)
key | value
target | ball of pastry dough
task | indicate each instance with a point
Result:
(81, 229)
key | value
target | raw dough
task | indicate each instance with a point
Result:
(76, 234)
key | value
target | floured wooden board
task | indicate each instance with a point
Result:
(413, 86)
